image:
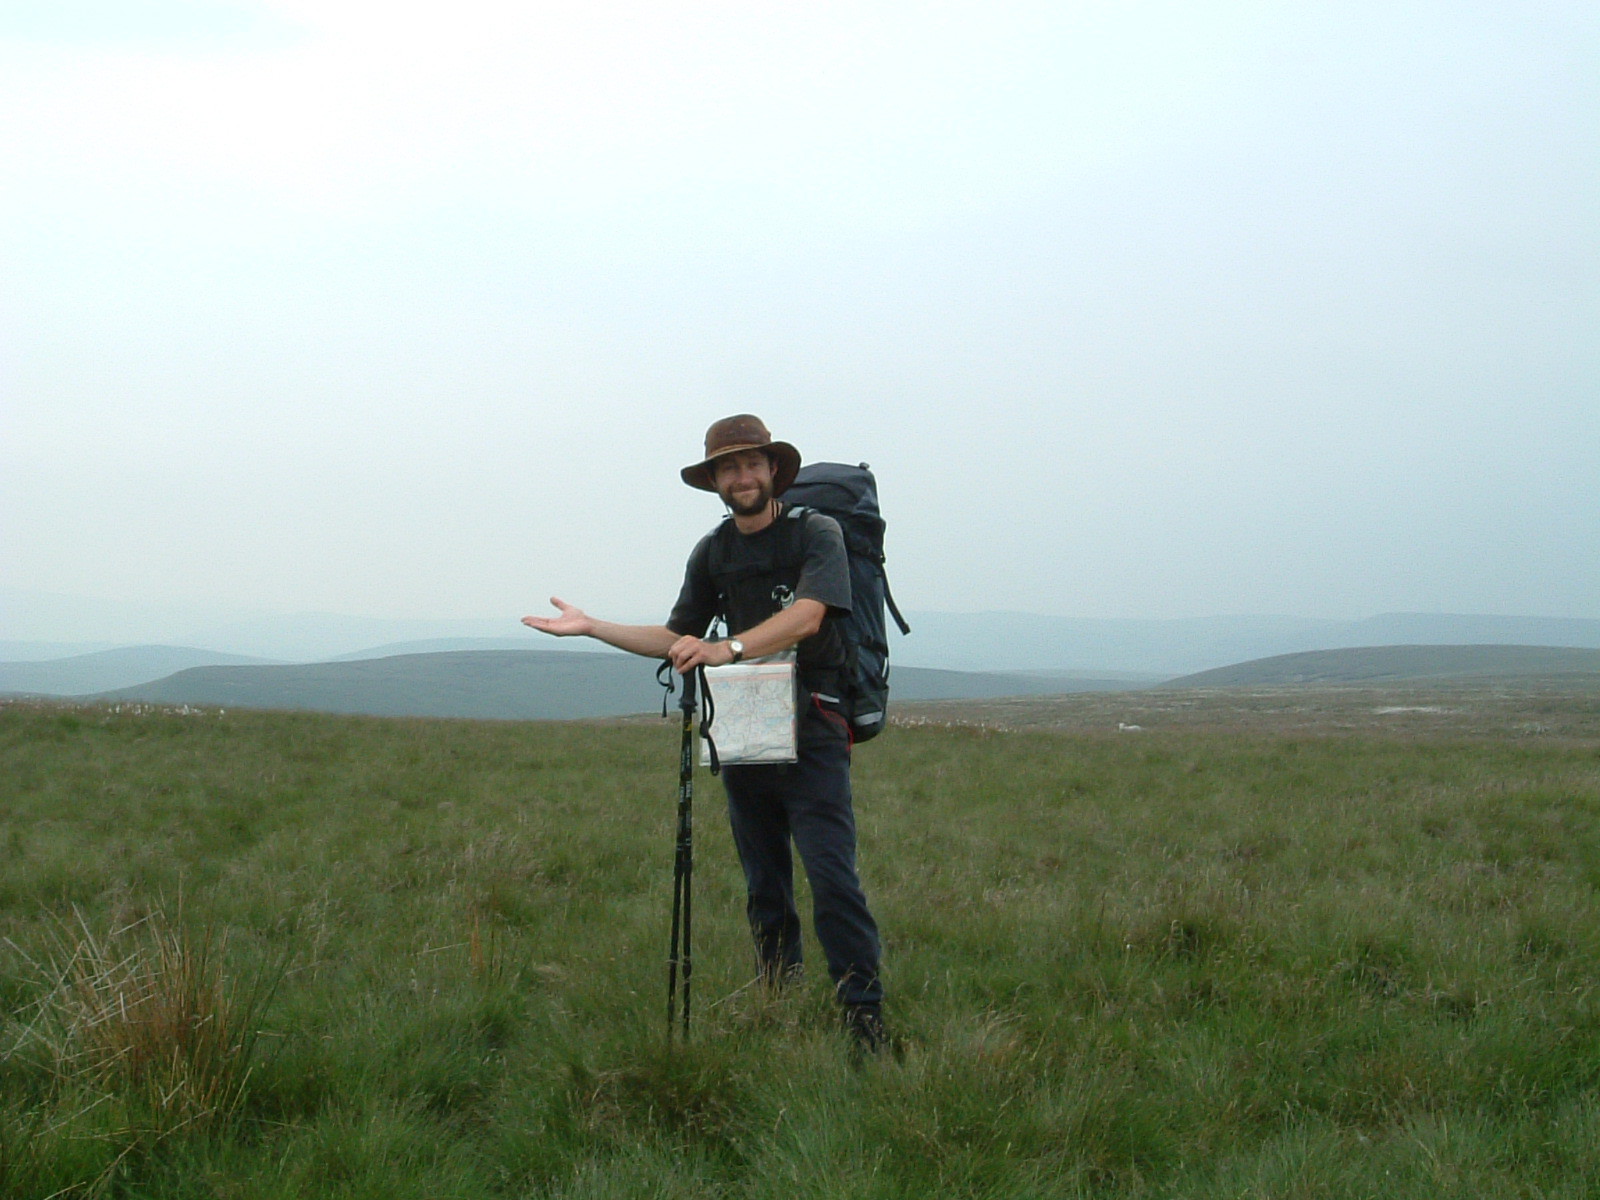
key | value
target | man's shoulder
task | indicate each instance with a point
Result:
(709, 536)
(821, 537)
(812, 521)
(701, 554)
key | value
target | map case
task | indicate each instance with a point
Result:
(753, 718)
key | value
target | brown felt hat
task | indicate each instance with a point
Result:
(743, 432)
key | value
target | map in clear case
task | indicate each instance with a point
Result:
(752, 718)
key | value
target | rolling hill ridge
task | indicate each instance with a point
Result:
(516, 685)
(1386, 664)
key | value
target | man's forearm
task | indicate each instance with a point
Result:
(777, 632)
(783, 629)
(649, 640)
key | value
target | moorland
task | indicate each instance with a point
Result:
(1273, 942)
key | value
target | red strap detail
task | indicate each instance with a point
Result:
(833, 716)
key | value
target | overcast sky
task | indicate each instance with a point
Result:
(1137, 309)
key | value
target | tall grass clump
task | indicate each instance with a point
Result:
(137, 1033)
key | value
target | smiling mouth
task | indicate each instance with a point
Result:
(744, 499)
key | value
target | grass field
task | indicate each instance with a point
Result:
(1277, 944)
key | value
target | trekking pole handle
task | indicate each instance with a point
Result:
(686, 701)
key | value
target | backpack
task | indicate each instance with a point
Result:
(850, 496)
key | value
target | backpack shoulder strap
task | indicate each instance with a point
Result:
(894, 608)
(795, 516)
(716, 567)
(717, 549)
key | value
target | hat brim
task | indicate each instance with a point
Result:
(785, 467)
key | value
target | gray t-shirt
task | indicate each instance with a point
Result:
(802, 553)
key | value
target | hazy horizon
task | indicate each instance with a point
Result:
(36, 627)
(1144, 311)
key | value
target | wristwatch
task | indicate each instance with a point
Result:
(737, 647)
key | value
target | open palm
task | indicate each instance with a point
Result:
(573, 622)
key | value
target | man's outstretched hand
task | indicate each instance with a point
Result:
(573, 622)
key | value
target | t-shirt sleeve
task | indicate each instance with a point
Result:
(825, 571)
(697, 600)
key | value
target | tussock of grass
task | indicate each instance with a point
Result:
(139, 1027)
(147, 1010)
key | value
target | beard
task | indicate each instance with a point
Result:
(753, 505)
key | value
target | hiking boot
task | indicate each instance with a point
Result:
(868, 1033)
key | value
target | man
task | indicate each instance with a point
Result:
(780, 579)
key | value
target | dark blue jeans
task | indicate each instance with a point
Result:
(809, 802)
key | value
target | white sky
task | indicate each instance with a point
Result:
(1138, 309)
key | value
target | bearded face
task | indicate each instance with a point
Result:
(744, 481)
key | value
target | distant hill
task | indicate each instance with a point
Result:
(108, 669)
(505, 684)
(36, 625)
(1008, 641)
(1452, 629)
(514, 685)
(22, 651)
(529, 642)
(1375, 664)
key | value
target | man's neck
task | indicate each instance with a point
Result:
(758, 521)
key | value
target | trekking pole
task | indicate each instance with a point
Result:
(682, 952)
